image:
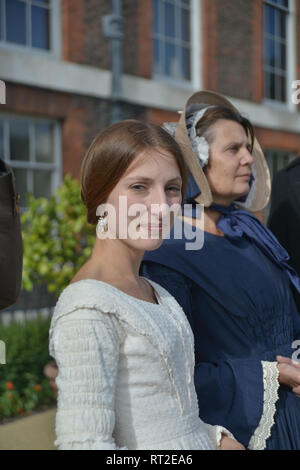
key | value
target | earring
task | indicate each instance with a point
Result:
(101, 225)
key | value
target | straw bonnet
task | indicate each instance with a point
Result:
(259, 194)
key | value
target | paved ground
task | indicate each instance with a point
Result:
(34, 432)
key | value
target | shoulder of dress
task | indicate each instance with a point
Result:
(88, 294)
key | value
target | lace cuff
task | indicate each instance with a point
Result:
(216, 433)
(271, 385)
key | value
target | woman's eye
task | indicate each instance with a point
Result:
(174, 189)
(138, 187)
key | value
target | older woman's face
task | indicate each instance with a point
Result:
(229, 169)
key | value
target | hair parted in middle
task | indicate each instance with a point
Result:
(214, 114)
(112, 152)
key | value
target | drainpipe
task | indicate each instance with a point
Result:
(113, 30)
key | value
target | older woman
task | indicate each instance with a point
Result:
(236, 290)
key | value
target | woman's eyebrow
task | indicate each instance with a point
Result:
(139, 178)
(145, 179)
(236, 143)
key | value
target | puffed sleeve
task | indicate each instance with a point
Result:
(86, 345)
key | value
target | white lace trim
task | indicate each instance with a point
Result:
(271, 385)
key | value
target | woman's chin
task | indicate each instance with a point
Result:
(147, 244)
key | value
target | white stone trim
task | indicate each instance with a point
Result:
(51, 73)
(196, 41)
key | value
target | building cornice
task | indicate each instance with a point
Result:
(38, 70)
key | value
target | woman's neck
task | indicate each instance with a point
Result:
(116, 260)
(211, 219)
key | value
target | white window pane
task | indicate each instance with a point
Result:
(155, 16)
(44, 142)
(15, 21)
(185, 63)
(281, 88)
(171, 63)
(169, 27)
(40, 27)
(42, 183)
(21, 184)
(270, 52)
(185, 25)
(19, 140)
(282, 25)
(156, 56)
(269, 17)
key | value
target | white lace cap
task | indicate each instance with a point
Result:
(199, 145)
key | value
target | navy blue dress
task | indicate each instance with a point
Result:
(242, 312)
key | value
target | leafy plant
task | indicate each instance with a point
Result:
(23, 386)
(57, 239)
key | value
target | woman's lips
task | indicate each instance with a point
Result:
(152, 227)
(244, 176)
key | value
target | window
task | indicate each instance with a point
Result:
(27, 23)
(172, 39)
(31, 148)
(276, 14)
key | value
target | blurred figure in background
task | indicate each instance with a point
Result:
(284, 219)
(11, 250)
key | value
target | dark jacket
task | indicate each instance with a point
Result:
(11, 251)
(284, 219)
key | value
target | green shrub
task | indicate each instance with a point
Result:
(23, 386)
(57, 239)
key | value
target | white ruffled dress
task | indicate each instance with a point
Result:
(126, 371)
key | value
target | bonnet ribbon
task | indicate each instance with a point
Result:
(235, 223)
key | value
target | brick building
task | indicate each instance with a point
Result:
(55, 62)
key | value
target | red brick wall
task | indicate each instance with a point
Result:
(144, 38)
(71, 111)
(209, 43)
(81, 117)
(83, 40)
(159, 116)
(235, 48)
(72, 20)
(280, 140)
(257, 51)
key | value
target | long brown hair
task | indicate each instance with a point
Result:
(111, 153)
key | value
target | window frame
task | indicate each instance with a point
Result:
(194, 13)
(54, 31)
(54, 167)
(290, 56)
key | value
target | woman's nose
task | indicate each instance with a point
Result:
(247, 158)
(159, 203)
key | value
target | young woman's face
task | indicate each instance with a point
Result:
(229, 169)
(143, 197)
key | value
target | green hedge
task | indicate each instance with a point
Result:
(23, 386)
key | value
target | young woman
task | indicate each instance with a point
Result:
(123, 346)
(236, 290)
